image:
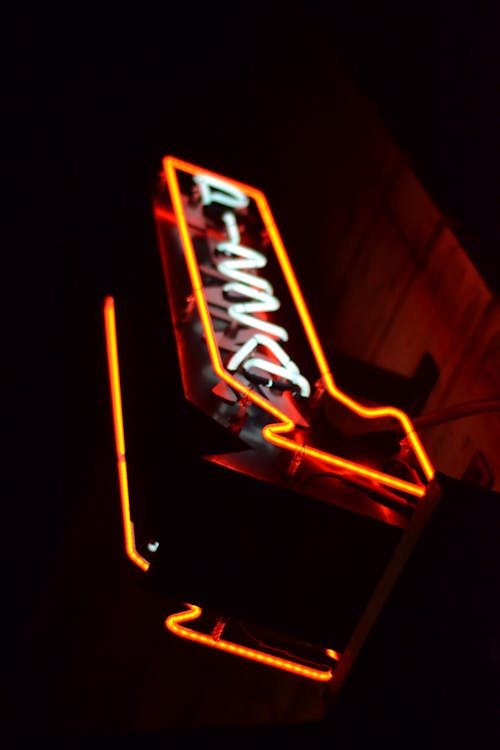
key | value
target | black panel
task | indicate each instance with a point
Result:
(246, 549)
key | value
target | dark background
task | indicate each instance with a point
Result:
(96, 99)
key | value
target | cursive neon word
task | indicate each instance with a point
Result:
(217, 190)
(239, 261)
(286, 369)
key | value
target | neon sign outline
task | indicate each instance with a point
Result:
(275, 432)
(174, 624)
(174, 621)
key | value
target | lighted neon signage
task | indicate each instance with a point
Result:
(175, 623)
(254, 354)
(236, 308)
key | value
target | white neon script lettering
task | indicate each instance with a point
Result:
(240, 311)
(215, 190)
(248, 285)
(249, 259)
(288, 369)
(233, 232)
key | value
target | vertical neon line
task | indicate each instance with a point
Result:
(116, 403)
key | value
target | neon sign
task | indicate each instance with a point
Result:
(252, 361)
(175, 623)
(245, 346)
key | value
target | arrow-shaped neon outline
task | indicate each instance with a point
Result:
(274, 433)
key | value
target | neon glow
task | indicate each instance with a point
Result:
(252, 287)
(226, 193)
(241, 311)
(116, 402)
(332, 654)
(254, 259)
(174, 623)
(288, 370)
(232, 228)
(229, 193)
(249, 296)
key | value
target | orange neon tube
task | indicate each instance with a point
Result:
(274, 432)
(116, 402)
(332, 654)
(174, 623)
